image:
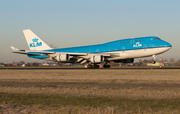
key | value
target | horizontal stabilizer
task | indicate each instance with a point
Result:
(14, 49)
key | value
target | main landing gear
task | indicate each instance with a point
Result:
(98, 66)
(106, 66)
(93, 66)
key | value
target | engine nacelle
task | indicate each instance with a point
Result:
(125, 60)
(62, 57)
(97, 59)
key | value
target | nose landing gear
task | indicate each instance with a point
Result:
(153, 59)
(97, 66)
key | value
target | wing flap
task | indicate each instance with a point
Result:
(111, 55)
(78, 54)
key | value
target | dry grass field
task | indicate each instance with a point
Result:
(90, 99)
(94, 76)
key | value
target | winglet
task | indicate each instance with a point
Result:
(14, 49)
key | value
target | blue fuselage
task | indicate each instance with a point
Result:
(119, 45)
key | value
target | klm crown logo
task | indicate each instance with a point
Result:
(35, 40)
(35, 43)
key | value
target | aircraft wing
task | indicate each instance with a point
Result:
(73, 57)
(34, 52)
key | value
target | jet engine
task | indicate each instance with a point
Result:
(62, 57)
(97, 59)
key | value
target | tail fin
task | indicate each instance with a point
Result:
(34, 42)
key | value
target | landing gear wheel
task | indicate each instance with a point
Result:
(153, 61)
(106, 66)
(96, 66)
(89, 66)
(93, 66)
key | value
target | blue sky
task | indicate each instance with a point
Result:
(83, 22)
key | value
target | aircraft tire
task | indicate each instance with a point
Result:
(153, 62)
(93, 66)
(96, 66)
(89, 66)
(106, 66)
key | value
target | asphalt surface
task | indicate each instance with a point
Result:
(49, 68)
(44, 84)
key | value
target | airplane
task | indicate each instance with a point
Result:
(93, 56)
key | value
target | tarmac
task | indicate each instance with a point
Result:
(70, 68)
(92, 85)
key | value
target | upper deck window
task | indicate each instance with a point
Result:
(139, 40)
(156, 38)
(123, 42)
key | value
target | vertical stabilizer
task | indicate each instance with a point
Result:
(34, 42)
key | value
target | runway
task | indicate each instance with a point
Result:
(92, 85)
(71, 68)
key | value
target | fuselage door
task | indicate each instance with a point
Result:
(123, 48)
(145, 46)
(97, 50)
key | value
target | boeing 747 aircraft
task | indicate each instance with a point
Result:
(124, 50)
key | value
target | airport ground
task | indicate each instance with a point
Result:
(90, 91)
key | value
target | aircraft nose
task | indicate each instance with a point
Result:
(168, 45)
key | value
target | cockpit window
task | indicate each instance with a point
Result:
(156, 38)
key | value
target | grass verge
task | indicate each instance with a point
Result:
(120, 105)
